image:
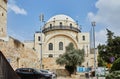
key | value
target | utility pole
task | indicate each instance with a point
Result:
(41, 20)
(93, 25)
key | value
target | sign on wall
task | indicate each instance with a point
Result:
(83, 69)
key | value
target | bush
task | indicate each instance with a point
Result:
(115, 70)
(113, 75)
(116, 65)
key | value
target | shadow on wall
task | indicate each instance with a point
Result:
(17, 43)
(6, 71)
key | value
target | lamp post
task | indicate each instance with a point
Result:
(93, 25)
(42, 20)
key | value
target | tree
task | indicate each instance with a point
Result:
(116, 65)
(113, 75)
(71, 58)
(109, 50)
(109, 37)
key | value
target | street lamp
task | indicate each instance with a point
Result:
(42, 20)
(93, 25)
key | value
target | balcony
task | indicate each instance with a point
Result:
(61, 28)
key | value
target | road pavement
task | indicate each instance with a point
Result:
(79, 78)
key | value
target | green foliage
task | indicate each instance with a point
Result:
(111, 49)
(71, 58)
(101, 62)
(116, 65)
(70, 47)
(109, 37)
(113, 75)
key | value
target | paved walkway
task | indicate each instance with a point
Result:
(79, 78)
(64, 78)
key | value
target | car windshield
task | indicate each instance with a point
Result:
(37, 70)
(45, 71)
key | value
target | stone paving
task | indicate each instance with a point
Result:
(72, 77)
(64, 78)
(80, 78)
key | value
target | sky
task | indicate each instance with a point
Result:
(23, 16)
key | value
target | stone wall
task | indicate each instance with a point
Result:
(18, 55)
(3, 18)
(50, 64)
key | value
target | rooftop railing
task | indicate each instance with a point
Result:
(60, 28)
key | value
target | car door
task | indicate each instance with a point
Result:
(27, 74)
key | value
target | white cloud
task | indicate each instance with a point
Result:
(108, 15)
(100, 37)
(13, 7)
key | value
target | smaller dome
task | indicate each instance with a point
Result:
(60, 17)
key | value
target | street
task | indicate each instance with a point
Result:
(80, 78)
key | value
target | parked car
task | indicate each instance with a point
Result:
(49, 72)
(31, 73)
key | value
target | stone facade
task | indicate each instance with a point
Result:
(15, 51)
(57, 32)
(50, 63)
(18, 55)
(3, 19)
(60, 29)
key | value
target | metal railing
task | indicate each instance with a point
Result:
(60, 28)
(6, 71)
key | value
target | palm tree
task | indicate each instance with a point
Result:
(71, 58)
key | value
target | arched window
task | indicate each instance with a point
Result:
(50, 26)
(2, 14)
(39, 38)
(60, 24)
(60, 45)
(70, 25)
(83, 37)
(50, 46)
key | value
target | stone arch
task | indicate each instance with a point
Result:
(66, 35)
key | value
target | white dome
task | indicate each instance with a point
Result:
(60, 17)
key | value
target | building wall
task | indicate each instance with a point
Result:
(29, 44)
(15, 52)
(80, 41)
(84, 42)
(55, 37)
(18, 54)
(23, 55)
(64, 36)
(3, 18)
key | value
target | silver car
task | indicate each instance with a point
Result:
(54, 76)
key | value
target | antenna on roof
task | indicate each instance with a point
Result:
(42, 17)
(77, 22)
(77, 17)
